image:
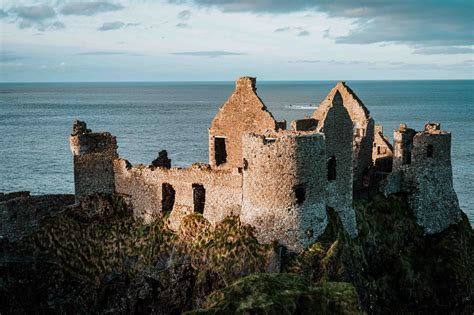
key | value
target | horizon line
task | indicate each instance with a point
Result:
(226, 81)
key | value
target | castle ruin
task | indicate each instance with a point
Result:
(279, 180)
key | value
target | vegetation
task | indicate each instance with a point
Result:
(96, 258)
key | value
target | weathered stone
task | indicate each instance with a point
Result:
(243, 112)
(336, 125)
(382, 153)
(162, 160)
(422, 168)
(279, 181)
(363, 130)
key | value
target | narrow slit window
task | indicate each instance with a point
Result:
(199, 198)
(429, 151)
(220, 151)
(167, 197)
(332, 168)
(300, 193)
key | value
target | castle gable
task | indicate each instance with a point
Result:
(243, 112)
(363, 132)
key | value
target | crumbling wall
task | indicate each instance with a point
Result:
(93, 154)
(336, 124)
(363, 129)
(427, 179)
(402, 146)
(305, 124)
(284, 187)
(142, 186)
(382, 152)
(243, 112)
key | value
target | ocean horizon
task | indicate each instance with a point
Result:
(148, 116)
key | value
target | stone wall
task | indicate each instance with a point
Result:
(284, 187)
(142, 186)
(93, 154)
(382, 153)
(363, 132)
(305, 124)
(337, 127)
(243, 112)
(402, 146)
(427, 179)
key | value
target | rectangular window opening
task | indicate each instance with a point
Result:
(167, 197)
(300, 193)
(199, 198)
(429, 151)
(220, 151)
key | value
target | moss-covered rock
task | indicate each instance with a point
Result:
(95, 257)
(282, 293)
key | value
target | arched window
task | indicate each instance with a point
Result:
(332, 168)
(429, 151)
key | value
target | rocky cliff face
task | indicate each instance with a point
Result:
(94, 258)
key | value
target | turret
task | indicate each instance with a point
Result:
(422, 169)
(284, 187)
(402, 146)
(93, 155)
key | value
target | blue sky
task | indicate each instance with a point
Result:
(187, 40)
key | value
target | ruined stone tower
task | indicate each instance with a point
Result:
(284, 187)
(93, 155)
(422, 169)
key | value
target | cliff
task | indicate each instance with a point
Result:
(93, 257)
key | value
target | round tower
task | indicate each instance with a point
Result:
(284, 187)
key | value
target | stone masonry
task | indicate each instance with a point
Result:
(243, 112)
(279, 181)
(363, 129)
(94, 154)
(422, 169)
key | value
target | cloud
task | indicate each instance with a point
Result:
(212, 53)
(3, 14)
(282, 29)
(110, 26)
(182, 25)
(34, 13)
(299, 30)
(184, 15)
(446, 50)
(38, 16)
(108, 53)
(8, 56)
(132, 24)
(333, 62)
(412, 22)
(303, 33)
(89, 8)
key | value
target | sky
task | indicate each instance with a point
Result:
(214, 40)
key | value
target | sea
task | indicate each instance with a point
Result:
(146, 117)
